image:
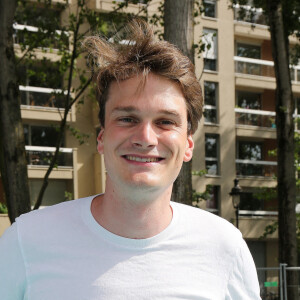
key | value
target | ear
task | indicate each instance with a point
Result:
(100, 144)
(189, 149)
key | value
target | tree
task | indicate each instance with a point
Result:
(12, 146)
(283, 20)
(286, 183)
(179, 30)
(67, 40)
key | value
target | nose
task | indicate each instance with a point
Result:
(144, 136)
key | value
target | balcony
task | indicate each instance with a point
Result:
(254, 67)
(54, 40)
(256, 168)
(258, 67)
(38, 159)
(41, 156)
(253, 117)
(249, 15)
(44, 104)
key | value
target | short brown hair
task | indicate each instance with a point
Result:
(141, 54)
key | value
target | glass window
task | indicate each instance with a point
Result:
(40, 135)
(212, 154)
(212, 201)
(247, 50)
(210, 100)
(209, 8)
(248, 100)
(40, 74)
(37, 16)
(249, 201)
(250, 150)
(211, 49)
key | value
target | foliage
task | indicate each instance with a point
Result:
(3, 208)
(68, 196)
(199, 197)
(45, 33)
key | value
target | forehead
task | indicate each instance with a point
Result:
(150, 92)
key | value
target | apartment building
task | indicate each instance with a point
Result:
(238, 131)
(234, 138)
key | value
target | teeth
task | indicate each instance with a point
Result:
(142, 159)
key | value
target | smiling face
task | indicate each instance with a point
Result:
(145, 139)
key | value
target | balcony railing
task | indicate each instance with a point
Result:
(54, 40)
(260, 67)
(211, 165)
(254, 117)
(41, 156)
(210, 114)
(253, 66)
(258, 213)
(295, 73)
(247, 14)
(43, 97)
(256, 168)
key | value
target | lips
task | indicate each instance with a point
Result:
(142, 159)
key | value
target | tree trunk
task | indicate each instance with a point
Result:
(13, 163)
(285, 145)
(179, 30)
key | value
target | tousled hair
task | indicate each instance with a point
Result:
(141, 54)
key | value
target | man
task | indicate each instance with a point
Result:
(131, 242)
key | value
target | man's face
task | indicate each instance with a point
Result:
(145, 138)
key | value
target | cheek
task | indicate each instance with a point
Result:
(175, 141)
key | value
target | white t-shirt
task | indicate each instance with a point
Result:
(62, 253)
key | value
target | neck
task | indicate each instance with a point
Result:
(131, 217)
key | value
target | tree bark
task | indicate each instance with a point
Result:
(285, 145)
(179, 30)
(13, 163)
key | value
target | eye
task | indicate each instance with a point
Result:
(166, 122)
(127, 120)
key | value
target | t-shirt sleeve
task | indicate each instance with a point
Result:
(243, 281)
(12, 269)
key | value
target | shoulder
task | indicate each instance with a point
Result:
(52, 220)
(58, 211)
(206, 227)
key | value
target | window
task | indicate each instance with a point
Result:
(212, 200)
(248, 50)
(55, 193)
(37, 16)
(211, 49)
(40, 135)
(247, 13)
(210, 8)
(249, 201)
(37, 80)
(248, 100)
(210, 100)
(212, 154)
(258, 199)
(249, 151)
(41, 73)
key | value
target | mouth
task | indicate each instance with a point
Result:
(142, 159)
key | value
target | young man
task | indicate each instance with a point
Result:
(132, 242)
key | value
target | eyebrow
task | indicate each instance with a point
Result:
(132, 109)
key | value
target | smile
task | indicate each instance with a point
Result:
(142, 159)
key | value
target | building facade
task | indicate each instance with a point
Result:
(235, 138)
